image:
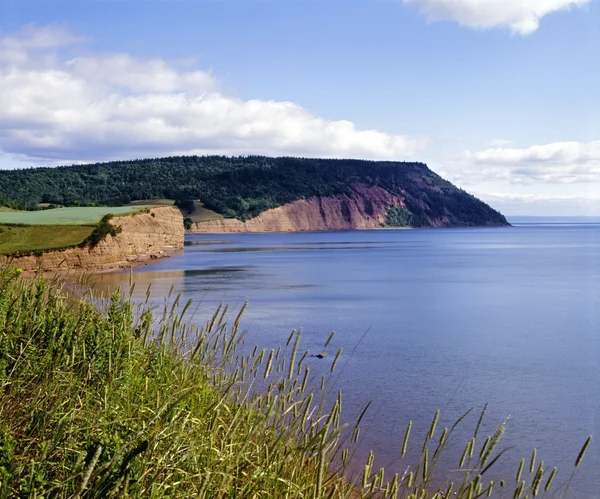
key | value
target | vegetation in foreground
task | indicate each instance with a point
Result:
(121, 403)
(243, 187)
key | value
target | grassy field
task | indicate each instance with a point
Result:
(202, 214)
(110, 401)
(64, 216)
(153, 202)
(28, 238)
(199, 214)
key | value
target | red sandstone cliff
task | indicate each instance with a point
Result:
(361, 208)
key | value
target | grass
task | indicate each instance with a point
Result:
(153, 202)
(30, 238)
(202, 214)
(110, 400)
(199, 214)
(65, 216)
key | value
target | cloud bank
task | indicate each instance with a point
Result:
(554, 163)
(543, 206)
(59, 103)
(519, 16)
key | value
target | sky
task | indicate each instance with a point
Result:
(501, 97)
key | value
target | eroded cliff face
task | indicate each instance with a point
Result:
(144, 236)
(361, 208)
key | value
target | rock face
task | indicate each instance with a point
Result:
(144, 236)
(361, 208)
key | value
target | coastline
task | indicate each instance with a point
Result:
(142, 259)
(141, 238)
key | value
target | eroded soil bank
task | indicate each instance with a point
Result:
(144, 236)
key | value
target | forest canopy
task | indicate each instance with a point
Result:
(241, 187)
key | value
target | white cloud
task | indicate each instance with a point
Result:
(555, 163)
(520, 16)
(56, 107)
(32, 38)
(537, 205)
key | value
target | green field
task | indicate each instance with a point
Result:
(65, 216)
(202, 214)
(30, 238)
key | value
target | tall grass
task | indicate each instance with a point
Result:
(114, 401)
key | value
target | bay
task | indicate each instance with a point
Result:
(428, 319)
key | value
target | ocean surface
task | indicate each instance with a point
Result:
(428, 319)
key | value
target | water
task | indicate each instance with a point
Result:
(428, 319)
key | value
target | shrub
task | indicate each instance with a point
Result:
(103, 229)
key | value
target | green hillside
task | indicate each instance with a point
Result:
(243, 187)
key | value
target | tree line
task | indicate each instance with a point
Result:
(240, 187)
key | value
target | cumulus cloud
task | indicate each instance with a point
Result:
(520, 16)
(555, 163)
(59, 107)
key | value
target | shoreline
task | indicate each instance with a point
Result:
(104, 269)
(301, 231)
(143, 259)
(136, 239)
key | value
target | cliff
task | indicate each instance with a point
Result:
(144, 236)
(361, 207)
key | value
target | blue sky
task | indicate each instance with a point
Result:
(499, 96)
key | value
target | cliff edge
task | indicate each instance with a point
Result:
(362, 207)
(144, 236)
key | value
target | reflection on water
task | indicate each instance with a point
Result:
(237, 246)
(176, 281)
(291, 248)
(205, 243)
(213, 279)
(454, 319)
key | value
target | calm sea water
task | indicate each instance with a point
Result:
(428, 319)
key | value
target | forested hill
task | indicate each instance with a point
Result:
(243, 187)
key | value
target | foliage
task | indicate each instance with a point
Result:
(243, 187)
(103, 229)
(399, 216)
(185, 205)
(187, 223)
(114, 402)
